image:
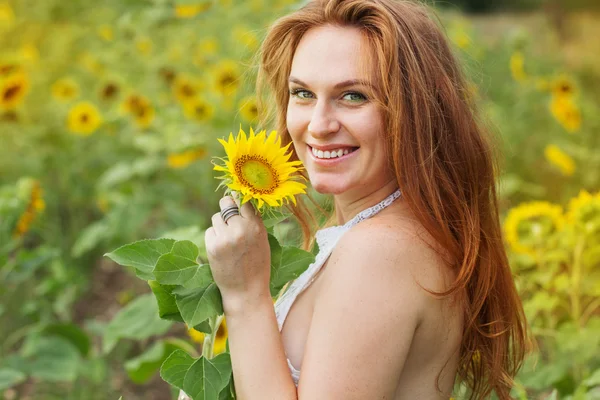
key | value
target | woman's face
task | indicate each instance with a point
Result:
(329, 112)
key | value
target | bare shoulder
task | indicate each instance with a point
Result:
(399, 248)
(371, 291)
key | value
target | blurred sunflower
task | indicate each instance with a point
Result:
(460, 38)
(517, 69)
(566, 112)
(584, 212)
(185, 158)
(106, 33)
(13, 90)
(65, 89)
(90, 63)
(34, 207)
(528, 225)
(555, 156)
(198, 110)
(7, 15)
(140, 108)
(249, 109)
(29, 53)
(144, 45)
(191, 10)
(206, 49)
(563, 86)
(109, 91)
(84, 118)
(185, 88)
(227, 78)
(7, 69)
(246, 37)
(257, 167)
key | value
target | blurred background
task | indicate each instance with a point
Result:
(109, 115)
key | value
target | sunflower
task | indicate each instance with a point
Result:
(185, 158)
(517, 62)
(84, 118)
(196, 336)
(144, 45)
(584, 212)
(220, 344)
(140, 108)
(566, 112)
(13, 90)
(198, 110)
(562, 86)
(191, 10)
(65, 89)
(246, 37)
(530, 224)
(7, 15)
(106, 33)
(249, 109)
(559, 159)
(257, 167)
(185, 88)
(34, 207)
(227, 78)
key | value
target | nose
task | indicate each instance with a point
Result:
(323, 121)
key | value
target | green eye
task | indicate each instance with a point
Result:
(354, 97)
(301, 94)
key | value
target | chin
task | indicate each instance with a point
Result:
(329, 187)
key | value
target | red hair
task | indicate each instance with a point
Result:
(444, 161)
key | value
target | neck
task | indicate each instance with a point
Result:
(348, 205)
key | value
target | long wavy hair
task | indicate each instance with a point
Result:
(444, 158)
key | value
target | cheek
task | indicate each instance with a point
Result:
(295, 123)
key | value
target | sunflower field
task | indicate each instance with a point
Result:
(109, 117)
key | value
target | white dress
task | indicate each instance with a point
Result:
(326, 238)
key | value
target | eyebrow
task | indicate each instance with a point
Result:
(343, 84)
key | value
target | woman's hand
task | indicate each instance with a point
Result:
(239, 255)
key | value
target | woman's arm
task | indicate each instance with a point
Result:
(260, 369)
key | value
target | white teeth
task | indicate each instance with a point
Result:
(330, 154)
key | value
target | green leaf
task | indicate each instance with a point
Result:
(141, 368)
(167, 307)
(138, 320)
(89, 238)
(223, 364)
(54, 359)
(142, 255)
(175, 367)
(594, 379)
(287, 263)
(197, 305)
(179, 267)
(203, 326)
(10, 377)
(71, 332)
(203, 380)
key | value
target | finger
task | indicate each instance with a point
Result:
(226, 202)
(209, 237)
(218, 225)
(247, 210)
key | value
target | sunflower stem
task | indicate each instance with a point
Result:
(209, 340)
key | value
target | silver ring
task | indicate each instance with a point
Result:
(229, 212)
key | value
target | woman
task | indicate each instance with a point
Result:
(412, 287)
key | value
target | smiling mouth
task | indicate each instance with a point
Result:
(332, 154)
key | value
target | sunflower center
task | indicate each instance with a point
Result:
(11, 92)
(256, 173)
